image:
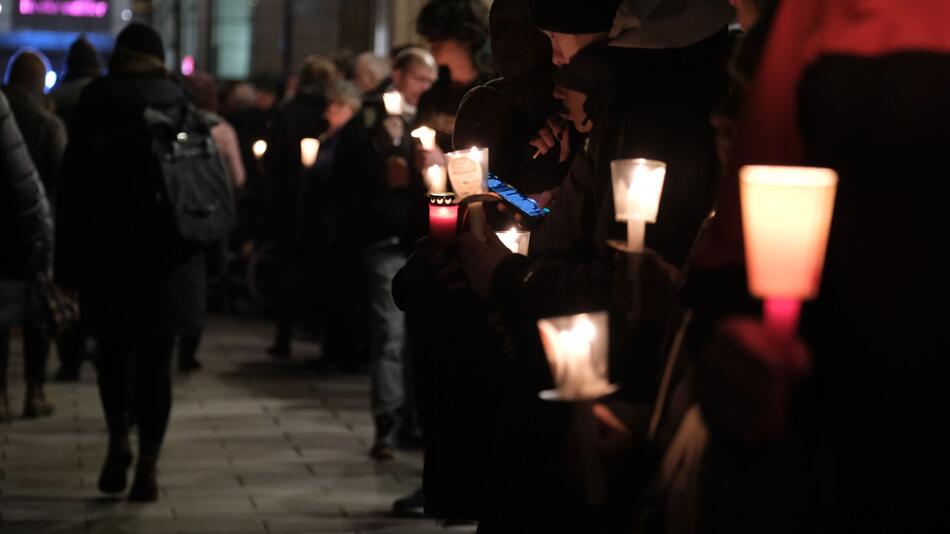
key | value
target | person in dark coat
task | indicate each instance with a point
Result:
(304, 116)
(45, 138)
(376, 152)
(836, 426)
(26, 233)
(136, 289)
(83, 65)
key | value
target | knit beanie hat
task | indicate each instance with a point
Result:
(573, 16)
(142, 39)
(138, 50)
(83, 60)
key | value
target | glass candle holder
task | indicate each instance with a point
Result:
(786, 218)
(443, 217)
(637, 185)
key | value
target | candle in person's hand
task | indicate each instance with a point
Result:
(436, 179)
(426, 137)
(515, 240)
(443, 217)
(638, 185)
(259, 148)
(576, 348)
(786, 218)
(468, 171)
(309, 148)
(392, 100)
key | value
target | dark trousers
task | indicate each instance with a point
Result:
(135, 378)
(35, 352)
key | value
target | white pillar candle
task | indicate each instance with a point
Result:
(516, 240)
(259, 148)
(426, 137)
(436, 179)
(309, 148)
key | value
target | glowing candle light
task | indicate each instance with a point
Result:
(786, 217)
(393, 102)
(516, 240)
(443, 217)
(309, 148)
(426, 136)
(576, 348)
(259, 148)
(468, 171)
(638, 185)
(436, 179)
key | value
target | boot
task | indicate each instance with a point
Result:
(114, 475)
(145, 486)
(36, 404)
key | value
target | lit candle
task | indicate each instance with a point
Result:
(259, 148)
(468, 170)
(393, 102)
(309, 147)
(443, 217)
(576, 348)
(638, 185)
(516, 241)
(436, 179)
(786, 217)
(426, 136)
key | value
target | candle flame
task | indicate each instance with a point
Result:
(259, 148)
(435, 176)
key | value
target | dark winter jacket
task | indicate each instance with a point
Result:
(301, 117)
(26, 229)
(43, 132)
(128, 282)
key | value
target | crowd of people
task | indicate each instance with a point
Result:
(713, 421)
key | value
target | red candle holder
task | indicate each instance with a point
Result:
(443, 217)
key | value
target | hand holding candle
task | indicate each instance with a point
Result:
(786, 217)
(309, 148)
(576, 347)
(638, 185)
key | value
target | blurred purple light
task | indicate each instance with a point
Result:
(70, 8)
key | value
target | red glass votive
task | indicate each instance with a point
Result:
(443, 217)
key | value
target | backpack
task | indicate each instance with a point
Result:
(192, 185)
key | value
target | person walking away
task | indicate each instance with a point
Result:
(45, 138)
(26, 230)
(126, 246)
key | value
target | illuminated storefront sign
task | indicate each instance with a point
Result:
(65, 8)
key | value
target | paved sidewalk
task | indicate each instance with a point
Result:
(254, 446)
